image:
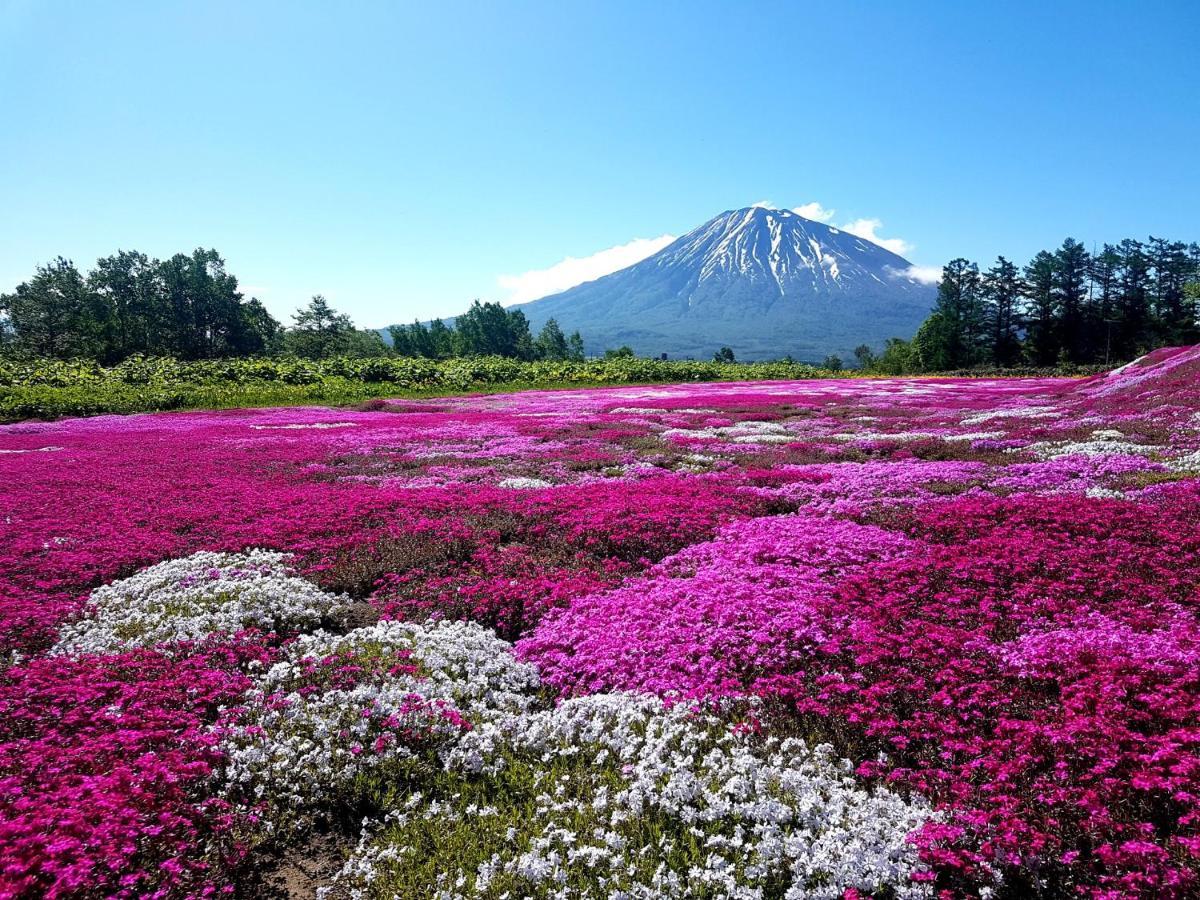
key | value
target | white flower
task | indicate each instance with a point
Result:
(191, 598)
(762, 811)
(518, 483)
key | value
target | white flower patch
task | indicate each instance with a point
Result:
(34, 450)
(1189, 462)
(1097, 447)
(902, 436)
(1015, 412)
(661, 411)
(629, 798)
(741, 433)
(300, 425)
(520, 483)
(339, 709)
(765, 439)
(191, 598)
(975, 436)
(288, 756)
(462, 663)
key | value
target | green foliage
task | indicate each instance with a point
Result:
(52, 313)
(1066, 310)
(486, 329)
(321, 332)
(48, 388)
(186, 306)
(896, 359)
(551, 342)
(1002, 288)
(575, 347)
(724, 355)
(952, 336)
(832, 363)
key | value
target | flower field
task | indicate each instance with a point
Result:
(805, 639)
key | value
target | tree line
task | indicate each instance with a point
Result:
(186, 306)
(189, 307)
(486, 329)
(1066, 307)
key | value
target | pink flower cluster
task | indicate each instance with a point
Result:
(105, 765)
(986, 591)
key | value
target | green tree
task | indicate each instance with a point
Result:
(622, 352)
(896, 358)
(1173, 266)
(832, 362)
(865, 356)
(575, 350)
(441, 340)
(1069, 292)
(1133, 332)
(724, 355)
(135, 318)
(1002, 293)
(930, 348)
(401, 344)
(319, 331)
(1103, 277)
(953, 336)
(520, 335)
(256, 330)
(320, 317)
(1041, 332)
(551, 342)
(53, 314)
(420, 340)
(202, 305)
(488, 329)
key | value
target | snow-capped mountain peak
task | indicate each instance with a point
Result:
(766, 282)
(783, 248)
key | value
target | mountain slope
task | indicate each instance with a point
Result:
(765, 282)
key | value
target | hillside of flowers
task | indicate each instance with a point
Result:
(892, 638)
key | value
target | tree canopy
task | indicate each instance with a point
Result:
(187, 306)
(1067, 306)
(486, 329)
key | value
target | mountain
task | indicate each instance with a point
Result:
(765, 282)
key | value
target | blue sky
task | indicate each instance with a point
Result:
(405, 158)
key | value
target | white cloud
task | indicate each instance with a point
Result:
(576, 270)
(866, 228)
(923, 274)
(765, 204)
(814, 211)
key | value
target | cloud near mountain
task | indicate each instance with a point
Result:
(576, 270)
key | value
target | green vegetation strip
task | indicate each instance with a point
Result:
(44, 389)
